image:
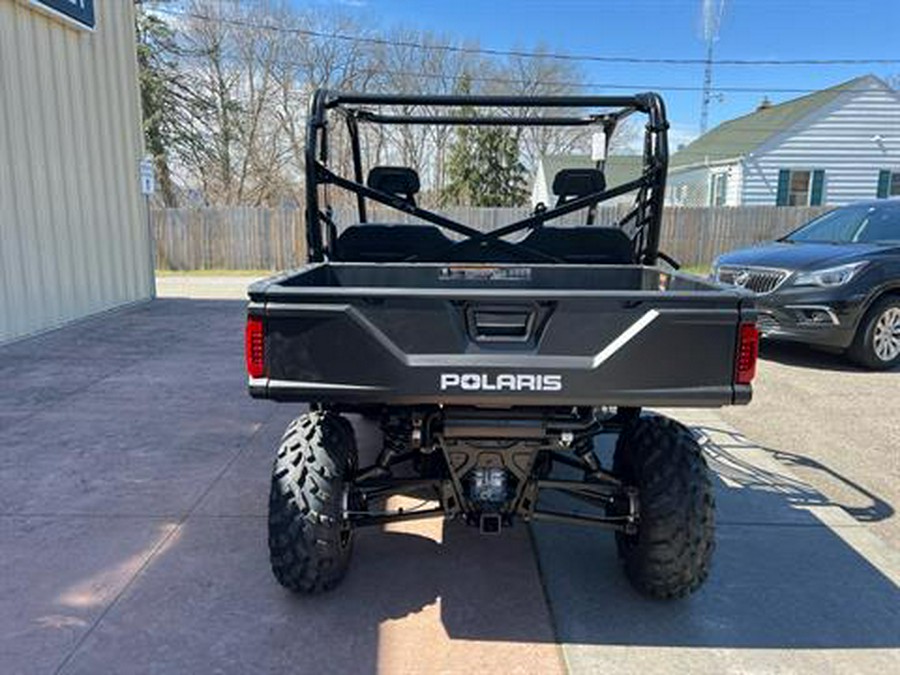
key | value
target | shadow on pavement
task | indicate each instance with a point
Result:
(725, 458)
(781, 578)
(208, 603)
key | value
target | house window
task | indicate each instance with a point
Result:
(679, 195)
(888, 184)
(718, 189)
(799, 190)
(800, 187)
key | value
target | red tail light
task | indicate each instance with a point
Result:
(747, 353)
(255, 346)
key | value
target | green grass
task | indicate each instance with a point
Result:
(214, 273)
(699, 270)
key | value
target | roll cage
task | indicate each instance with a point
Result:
(357, 109)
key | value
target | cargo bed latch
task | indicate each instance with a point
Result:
(503, 323)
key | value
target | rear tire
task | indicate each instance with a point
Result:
(671, 553)
(877, 342)
(309, 542)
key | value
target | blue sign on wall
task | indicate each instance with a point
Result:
(79, 11)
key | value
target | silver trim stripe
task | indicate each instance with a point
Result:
(627, 336)
(296, 384)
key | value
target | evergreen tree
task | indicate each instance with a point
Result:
(157, 73)
(168, 101)
(484, 167)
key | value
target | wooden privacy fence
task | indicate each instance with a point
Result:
(264, 238)
(234, 238)
(696, 235)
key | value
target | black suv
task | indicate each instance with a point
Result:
(834, 282)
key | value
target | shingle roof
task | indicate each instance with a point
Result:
(738, 137)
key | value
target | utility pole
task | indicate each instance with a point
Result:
(712, 19)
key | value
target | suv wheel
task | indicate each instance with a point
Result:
(877, 342)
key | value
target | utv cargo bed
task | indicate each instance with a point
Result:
(499, 335)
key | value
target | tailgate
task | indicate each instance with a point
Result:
(504, 349)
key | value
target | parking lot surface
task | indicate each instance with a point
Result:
(834, 425)
(133, 484)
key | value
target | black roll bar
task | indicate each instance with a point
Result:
(315, 122)
(638, 101)
(501, 121)
(650, 186)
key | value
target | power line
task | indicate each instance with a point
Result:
(574, 84)
(521, 53)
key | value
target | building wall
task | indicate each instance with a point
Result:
(735, 184)
(690, 186)
(74, 238)
(841, 140)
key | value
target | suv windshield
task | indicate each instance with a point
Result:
(852, 224)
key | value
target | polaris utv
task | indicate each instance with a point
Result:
(492, 360)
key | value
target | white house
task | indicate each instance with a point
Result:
(834, 146)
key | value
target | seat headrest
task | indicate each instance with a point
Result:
(578, 182)
(395, 180)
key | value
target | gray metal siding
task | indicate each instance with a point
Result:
(838, 140)
(73, 230)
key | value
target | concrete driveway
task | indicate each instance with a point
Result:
(133, 483)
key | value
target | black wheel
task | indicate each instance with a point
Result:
(877, 341)
(309, 541)
(671, 552)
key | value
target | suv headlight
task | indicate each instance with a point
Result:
(833, 276)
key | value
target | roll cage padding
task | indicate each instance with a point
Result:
(570, 183)
(395, 180)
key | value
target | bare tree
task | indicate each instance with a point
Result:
(246, 69)
(309, 62)
(540, 75)
(257, 51)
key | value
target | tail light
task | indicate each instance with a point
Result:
(255, 346)
(747, 354)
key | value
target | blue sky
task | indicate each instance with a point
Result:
(751, 29)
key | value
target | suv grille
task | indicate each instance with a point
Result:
(755, 279)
